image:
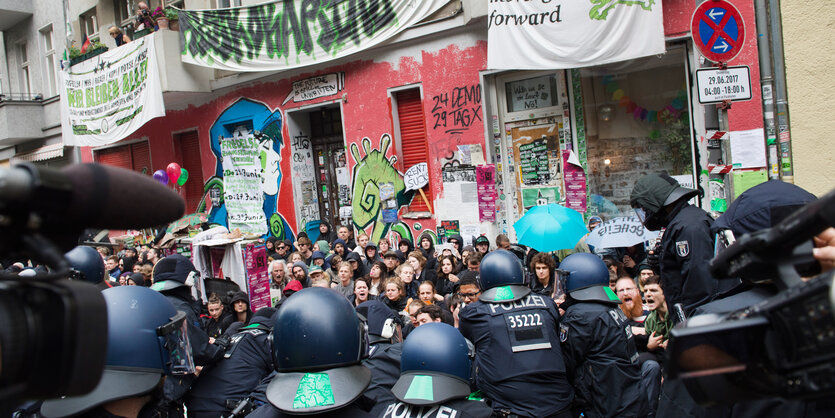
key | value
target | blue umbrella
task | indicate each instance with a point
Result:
(550, 228)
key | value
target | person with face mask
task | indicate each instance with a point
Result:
(687, 244)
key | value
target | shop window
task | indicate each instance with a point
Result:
(637, 122)
(413, 144)
(136, 157)
(188, 153)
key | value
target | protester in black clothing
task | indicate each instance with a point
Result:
(445, 279)
(543, 277)
(345, 235)
(326, 233)
(383, 350)
(240, 307)
(482, 245)
(404, 247)
(218, 319)
(269, 245)
(371, 255)
(420, 265)
(427, 248)
(394, 297)
(356, 264)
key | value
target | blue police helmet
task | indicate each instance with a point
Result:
(85, 264)
(587, 278)
(434, 366)
(502, 277)
(318, 343)
(140, 323)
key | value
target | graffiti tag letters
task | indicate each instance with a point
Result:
(458, 109)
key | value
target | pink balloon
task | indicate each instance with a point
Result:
(173, 171)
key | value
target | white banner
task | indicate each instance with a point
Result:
(109, 96)
(559, 34)
(283, 34)
(242, 189)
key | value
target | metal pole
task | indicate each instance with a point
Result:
(722, 115)
(767, 83)
(780, 95)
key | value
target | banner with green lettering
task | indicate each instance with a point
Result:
(109, 96)
(284, 34)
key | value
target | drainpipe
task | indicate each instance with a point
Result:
(767, 83)
(775, 30)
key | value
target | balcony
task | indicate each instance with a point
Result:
(21, 118)
(13, 12)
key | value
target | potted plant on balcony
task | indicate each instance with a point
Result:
(159, 16)
(173, 19)
(95, 48)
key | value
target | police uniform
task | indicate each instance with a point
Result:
(602, 360)
(454, 408)
(384, 362)
(686, 250)
(245, 362)
(518, 361)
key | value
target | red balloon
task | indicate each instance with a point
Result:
(173, 171)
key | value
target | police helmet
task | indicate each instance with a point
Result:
(502, 277)
(172, 272)
(318, 344)
(587, 278)
(434, 366)
(146, 339)
(85, 264)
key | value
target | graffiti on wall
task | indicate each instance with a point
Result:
(371, 171)
(304, 181)
(244, 117)
(456, 110)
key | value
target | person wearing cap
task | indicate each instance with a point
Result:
(292, 287)
(518, 358)
(482, 245)
(384, 336)
(318, 364)
(174, 276)
(434, 377)
(392, 261)
(246, 361)
(320, 259)
(597, 343)
(145, 334)
(318, 277)
(687, 244)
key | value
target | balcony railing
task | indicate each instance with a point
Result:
(21, 97)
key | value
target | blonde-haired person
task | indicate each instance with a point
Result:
(116, 33)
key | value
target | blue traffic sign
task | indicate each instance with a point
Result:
(718, 30)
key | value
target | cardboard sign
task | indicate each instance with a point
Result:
(416, 176)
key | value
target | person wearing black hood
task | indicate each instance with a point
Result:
(404, 247)
(427, 248)
(174, 275)
(247, 360)
(383, 350)
(371, 255)
(356, 264)
(270, 247)
(240, 307)
(326, 232)
(687, 244)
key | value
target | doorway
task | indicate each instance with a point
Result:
(330, 164)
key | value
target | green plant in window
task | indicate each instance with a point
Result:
(96, 45)
(74, 50)
(171, 14)
(674, 135)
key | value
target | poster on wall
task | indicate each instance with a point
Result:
(487, 194)
(535, 150)
(284, 34)
(258, 278)
(575, 182)
(243, 192)
(108, 97)
(534, 35)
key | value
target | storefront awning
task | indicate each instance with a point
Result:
(46, 152)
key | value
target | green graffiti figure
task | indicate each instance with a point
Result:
(369, 172)
(601, 8)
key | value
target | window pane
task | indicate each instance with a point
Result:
(637, 122)
(47, 39)
(531, 93)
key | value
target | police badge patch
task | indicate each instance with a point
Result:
(563, 333)
(682, 248)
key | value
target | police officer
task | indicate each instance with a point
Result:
(173, 277)
(246, 361)
(434, 377)
(518, 361)
(597, 343)
(687, 244)
(318, 344)
(86, 264)
(144, 336)
(384, 349)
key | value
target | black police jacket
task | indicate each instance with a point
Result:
(602, 361)
(247, 360)
(457, 408)
(352, 410)
(518, 362)
(384, 362)
(686, 250)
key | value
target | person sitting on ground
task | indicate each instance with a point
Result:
(269, 247)
(421, 267)
(659, 322)
(345, 284)
(278, 274)
(371, 255)
(395, 298)
(362, 241)
(445, 280)
(305, 249)
(360, 292)
(318, 278)
(404, 247)
(407, 275)
(319, 260)
(299, 271)
(392, 261)
(345, 235)
(326, 232)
